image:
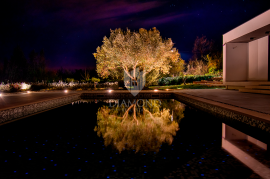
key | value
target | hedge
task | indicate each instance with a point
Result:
(179, 79)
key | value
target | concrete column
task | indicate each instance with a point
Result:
(268, 58)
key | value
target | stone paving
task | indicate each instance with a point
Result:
(10, 100)
(255, 102)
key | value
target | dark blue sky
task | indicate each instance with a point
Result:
(69, 31)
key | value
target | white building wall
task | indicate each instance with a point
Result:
(224, 64)
(253, 60)
(233, 134)
(236, 62)
(258, 59)
(263, 58)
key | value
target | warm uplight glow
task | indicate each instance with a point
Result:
(28, 91)
(167, 89)
(25, 86)
(110, 91)
(66, 91)
(0, 94)
(155, 90)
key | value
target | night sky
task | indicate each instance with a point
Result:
(69, 31)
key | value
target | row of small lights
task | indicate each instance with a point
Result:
(67, 91)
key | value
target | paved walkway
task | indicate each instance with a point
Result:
(12, 100)
(255, 102)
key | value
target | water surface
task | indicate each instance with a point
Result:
(104, 139)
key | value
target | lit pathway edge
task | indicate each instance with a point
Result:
(22, 111)
(250, 117)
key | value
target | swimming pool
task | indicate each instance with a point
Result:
(104, 139)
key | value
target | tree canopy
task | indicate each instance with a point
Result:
(202, 47)
(128, 50)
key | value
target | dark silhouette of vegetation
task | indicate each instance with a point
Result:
(34, 69)
(202, 47)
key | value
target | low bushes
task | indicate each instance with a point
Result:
(179, 79)
(14, 87)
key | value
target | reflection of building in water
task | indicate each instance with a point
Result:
(242, 147)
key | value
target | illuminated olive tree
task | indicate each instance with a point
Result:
(128, 50)
(145, 129)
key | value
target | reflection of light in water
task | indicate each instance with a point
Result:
(172, 116)
(95, 100)
(230, 134)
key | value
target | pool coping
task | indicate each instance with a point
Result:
(227, 112)
(243, 111)
(11, 114)
(247, 115)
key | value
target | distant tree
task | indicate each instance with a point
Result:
(214, 62)
(51, 76)
(95, 81)
(42, 65)
(128, 50)
(178, 67)
(202, 47)
(86, 76)
(1, 71)
(32, 68)
(16, 66)
(36, 67)
(196, 67)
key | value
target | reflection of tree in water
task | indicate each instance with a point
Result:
(177, 108)
(137, 126)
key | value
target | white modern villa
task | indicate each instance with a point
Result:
(246, 56)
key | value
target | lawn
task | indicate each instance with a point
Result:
(187, 86)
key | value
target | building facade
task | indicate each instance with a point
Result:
(246, 54)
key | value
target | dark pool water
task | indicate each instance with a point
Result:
(62, 143)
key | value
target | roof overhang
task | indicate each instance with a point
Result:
(251, 30)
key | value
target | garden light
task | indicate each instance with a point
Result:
(110, 91)
(66, 91)
(0, 94)
(155, 90)
(167, 89)
(28, 91)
